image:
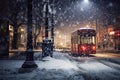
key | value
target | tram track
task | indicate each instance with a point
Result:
(110, 62)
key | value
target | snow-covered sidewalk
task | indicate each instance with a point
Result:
(58, 68)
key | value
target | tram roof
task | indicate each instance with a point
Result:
(85, 28)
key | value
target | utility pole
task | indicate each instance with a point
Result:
(97, 31)
(46, 18)
(52, 25)
(29, 62)
(47, 44)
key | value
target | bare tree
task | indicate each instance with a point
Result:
(37, 19)
(17, 13)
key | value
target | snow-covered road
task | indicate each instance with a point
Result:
(63, 67)
(97, 69)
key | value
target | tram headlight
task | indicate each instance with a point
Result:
(94, 47)
(83, 48)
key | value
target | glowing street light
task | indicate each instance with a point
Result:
(112, 33)
(86, 1)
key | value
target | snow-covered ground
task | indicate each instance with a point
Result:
(60, 67)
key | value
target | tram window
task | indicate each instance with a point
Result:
(74, 39)
(87, 40)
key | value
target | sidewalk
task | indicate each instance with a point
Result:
(107, 51)
(16, 53)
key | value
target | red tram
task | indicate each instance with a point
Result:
(83, 41)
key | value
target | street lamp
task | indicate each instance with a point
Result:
(47, 44)
(52, 25)
(29, 62)
(86, 1)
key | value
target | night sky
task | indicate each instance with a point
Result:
(68, 10)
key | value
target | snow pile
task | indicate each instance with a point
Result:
(10, 64)
(52, 63)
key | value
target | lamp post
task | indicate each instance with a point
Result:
(29, 62)
(47, 44)
(52, 25)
